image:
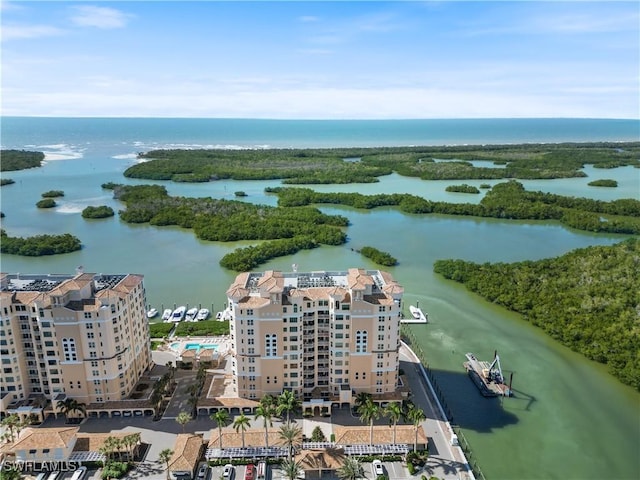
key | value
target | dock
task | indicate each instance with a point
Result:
(417, 316)
(487, 376)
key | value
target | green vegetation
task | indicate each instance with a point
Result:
(160, 330)
(379, 257)
(603, 183)
(587, 299)
(53, 194)
(286, 229)
(464, 188)
(102, 211)
(109, 185)
(485, 186)
(39, 245)
(19, 160)
(240, 194)
(294, 166)
(202, 329)
(6, 181)
(507, 200)
(321, 166)
(46, 203)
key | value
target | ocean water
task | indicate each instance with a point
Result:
(569, 419)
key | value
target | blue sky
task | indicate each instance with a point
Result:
(326, 60)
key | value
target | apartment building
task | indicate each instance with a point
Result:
(322, 335)
(83, 335)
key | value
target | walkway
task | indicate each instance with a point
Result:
(445, 461)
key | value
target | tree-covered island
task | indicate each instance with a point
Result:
(285, 230)
(588, 299)
(323, 166)
(39, 245)
(11, 160)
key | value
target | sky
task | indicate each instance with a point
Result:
(321, 59)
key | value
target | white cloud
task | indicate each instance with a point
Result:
(308, 18)
(99, 17)
(13, 32)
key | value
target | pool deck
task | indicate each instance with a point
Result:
(178, 347)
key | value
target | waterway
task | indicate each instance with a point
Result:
(569, 418)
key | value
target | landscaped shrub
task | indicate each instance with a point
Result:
(115, 470)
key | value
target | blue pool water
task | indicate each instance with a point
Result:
(195, 346)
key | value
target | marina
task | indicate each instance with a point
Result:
(488, 376)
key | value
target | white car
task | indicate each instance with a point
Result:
(377, 468)
(227, 472)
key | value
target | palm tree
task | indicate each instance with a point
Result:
(362, 397)
(70, 405)
(416, 416)
(221, 417)
(291, 436)
(350, 469)
(292, 470)
(130, 442)
(156, 399)
(394, 412)
(242, 422)
(12, 423)
(287, 402)
(183, 418)
(266, 411)
(164, 456)
(369, 411)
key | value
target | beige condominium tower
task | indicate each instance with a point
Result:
(82, 336)
(323, 335)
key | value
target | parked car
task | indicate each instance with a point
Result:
(377, 468)
(203, 471)
(250, 472)
(227, 472)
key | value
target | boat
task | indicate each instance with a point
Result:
(418, 315)
(178, 314)
(203, 314)
(488, 376)
(152, 313)
(191, 314)
(166, 315)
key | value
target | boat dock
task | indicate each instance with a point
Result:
(417, 316)
(487, 376)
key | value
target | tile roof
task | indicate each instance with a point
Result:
(92, 442)
(186, 452)
(38, 438)
(252, 438)
(327, 459)
(359, 435)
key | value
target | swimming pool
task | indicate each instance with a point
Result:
(194, 346)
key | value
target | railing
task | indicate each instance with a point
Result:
(409, 337)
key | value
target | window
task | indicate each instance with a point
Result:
(69, 348)
(361, 341)
(271, 345)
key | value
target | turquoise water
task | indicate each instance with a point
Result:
(569, 419)
(195, 346)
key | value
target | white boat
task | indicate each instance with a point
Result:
(203, 314)
(166, 315)
(191, 314)
(178, 314)
(152, 313)
(418, 315)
